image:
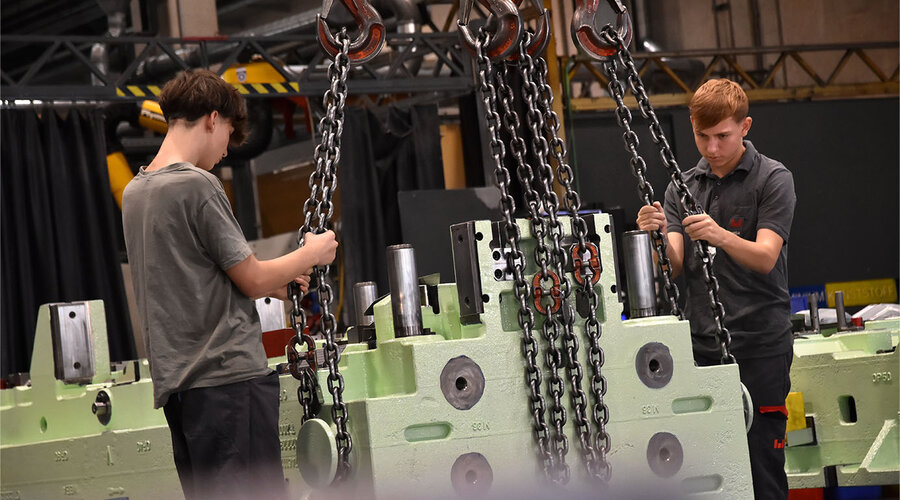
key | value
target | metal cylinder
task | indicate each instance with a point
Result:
(405, 302)
(839, 309)
(364, 294)
(639, 274)
(813, 313)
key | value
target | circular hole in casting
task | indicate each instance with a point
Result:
(77, 365)
(268, 300)
(43, 424)
(612, 289)
(664, 454)
(471, 476)
(485, 298)
(72, 314)
(498, 273)
(654, 365)
(479, 236)
(496, 255)
(461, 383)
(606, 228)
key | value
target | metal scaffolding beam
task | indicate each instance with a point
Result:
(412, 63)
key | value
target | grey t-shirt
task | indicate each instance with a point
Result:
(757, 194)
(200, 329)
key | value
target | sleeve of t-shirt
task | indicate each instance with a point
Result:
(776, 205)
(220, 233)
(672, 208)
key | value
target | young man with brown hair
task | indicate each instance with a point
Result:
(749, 206)
(195, 278)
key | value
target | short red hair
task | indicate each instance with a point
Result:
(717, 100)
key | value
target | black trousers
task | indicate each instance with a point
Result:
(768, 380)
(225, 440)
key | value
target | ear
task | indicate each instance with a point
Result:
(745, 126)
(210, 120)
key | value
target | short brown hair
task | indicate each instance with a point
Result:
(195, 93)
(717, 100)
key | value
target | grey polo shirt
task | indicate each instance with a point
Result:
(757, 194)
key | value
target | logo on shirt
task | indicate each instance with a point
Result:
(736, 222)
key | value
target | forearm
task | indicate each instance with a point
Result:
(258, 278)
(754, 255)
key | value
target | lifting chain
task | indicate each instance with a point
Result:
(639, 168)
(689, 206)
(538, 101)
(550, 328)
(545, 123)
(318, 210)
(515, 258)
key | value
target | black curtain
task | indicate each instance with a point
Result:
(383, 152)
(58, 228)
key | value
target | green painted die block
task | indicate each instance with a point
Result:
(850, 391)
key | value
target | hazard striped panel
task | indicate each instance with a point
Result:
(277, 88)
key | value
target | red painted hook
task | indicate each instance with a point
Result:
(585, 32)
(541, 37)
(371, 31)
(504, 23)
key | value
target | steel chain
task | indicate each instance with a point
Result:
(515, 258)
(550, 328)
(593, 330)
(639, 168)
(529, 70)
(318, 210)
(689, 205)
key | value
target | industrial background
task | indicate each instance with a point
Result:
(76, 75)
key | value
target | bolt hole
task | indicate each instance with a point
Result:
(268, 300)
(612, 289)
(72, 314)
(466, 300)
(664, 454)
(606, 228)
(77, 365)
(461, 383)
(460, 238)
(471, 477)
(654, 365)
(498, 273)
(479, 236)
(496, 255)
(485, 298)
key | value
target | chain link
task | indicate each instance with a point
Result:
(538, 96)
(318, 210)
(689, 205)
(550, 328)
(598, 450)
(515, 258)
(639, 168)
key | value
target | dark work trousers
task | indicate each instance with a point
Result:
(768, 380)
(225, 440)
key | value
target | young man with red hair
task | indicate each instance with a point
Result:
(748, 201)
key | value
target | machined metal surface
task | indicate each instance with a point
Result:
(462, 382)
(639, 274)
(364, 295)
(405, 301)
(654, 365)
(271, 313)
(471, 475)
(73, 347)
(465, 260)
(665, 454)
